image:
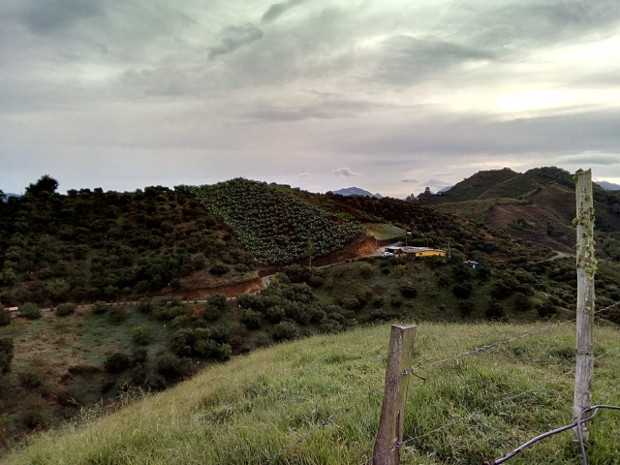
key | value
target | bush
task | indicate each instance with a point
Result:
(274, 314)
(408, 291)
(366, 270)
(216, 307)
(250, 318)
(210, 344)
(117, 363)
(495, 311)
(219, 270)
(171, 367)
(316, 281)
(466, 308)
(5, 316)
(522, 302)
(30, 379)
(462, 290)
(141, 336)
(145, 307)
(285, 331)
(65, 309)
(30, 311)
(547, 310)
(6, 354)
(298, 274)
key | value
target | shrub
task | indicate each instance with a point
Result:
(503, 288)
(171, 367)
(522, 302)
(117, 315)
(466, 308)
(65, 309)
(6, 354)
(219, 270)
(351, 303)
(30, 311)
(285, 331)
(5, 316)
(30, 379)
(462, 290)
(250, 318)
(216, 306)
(210, 344)
(169, 312)
(252, 301)
(366, 270)
(495, 311)
(298, 274)
(316, 281)
(547, 310)
(117, 363)
(408, 291)
(396, 301)
(274, 314)
(141, 336)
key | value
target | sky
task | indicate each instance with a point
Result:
(388, 95)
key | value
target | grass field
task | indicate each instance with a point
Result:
(317, 401)
(384, 231)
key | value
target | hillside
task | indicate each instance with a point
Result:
(537, 206)
(275, 225)
(93, 245)
(354, 192)
(317, 401)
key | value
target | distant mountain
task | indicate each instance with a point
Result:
(355, 192)
(609, 186)
(536, 206)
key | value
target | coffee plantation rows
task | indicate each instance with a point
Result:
(275, 226)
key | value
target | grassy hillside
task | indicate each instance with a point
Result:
(275, 225)
(317, 401)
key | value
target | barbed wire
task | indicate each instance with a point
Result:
(575, 424)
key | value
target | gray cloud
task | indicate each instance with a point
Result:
(345, 172)
(48, 16)
(235, 37)
(409, 181)
(407, 59)
(278, 9)
(592, 159)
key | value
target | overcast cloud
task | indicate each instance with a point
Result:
(319, 94)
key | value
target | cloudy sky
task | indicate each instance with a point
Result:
(389, 95)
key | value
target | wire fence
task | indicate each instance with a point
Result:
(576, 425)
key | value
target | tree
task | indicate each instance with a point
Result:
(45, 185)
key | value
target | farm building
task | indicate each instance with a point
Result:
(416, 251)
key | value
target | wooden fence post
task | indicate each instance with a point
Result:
(586, 269)
(390, 435)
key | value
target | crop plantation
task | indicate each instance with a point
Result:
(275, 226)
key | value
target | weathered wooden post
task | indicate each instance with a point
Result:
(586, 269)
(390, 435)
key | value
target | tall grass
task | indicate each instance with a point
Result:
(316, 401)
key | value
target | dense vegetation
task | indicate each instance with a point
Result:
(274, 225)
(89, 245)
(317, 401)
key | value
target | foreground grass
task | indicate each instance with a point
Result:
(317, 401)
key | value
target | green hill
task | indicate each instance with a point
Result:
(317, 401)
(274, 224)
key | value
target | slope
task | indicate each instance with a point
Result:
(316, 401)
(274, 224)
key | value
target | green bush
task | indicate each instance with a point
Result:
(462, 290)
(117, 363)
(171, 367)
(216, 307)
(141, 336)
(284, 330)
(466, 308)
(65, 309)
(251, 318)
(219, 270)
(408, 291)
(5, 316)
(522, 303)
(495, 311)
(145, 307)
(30, 311)
(6, 354)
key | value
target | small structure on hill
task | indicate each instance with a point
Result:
(416, 251)
(473, 264)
